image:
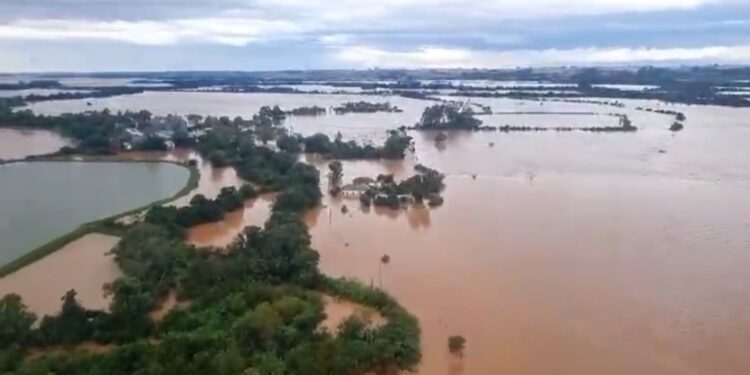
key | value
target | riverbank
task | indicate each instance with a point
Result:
(101, 225)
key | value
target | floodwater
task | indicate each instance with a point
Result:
(84, 265)
(20, 143)
(204, 103)
(40, 201)
(212, 180)
(596, 274)
(555, 253)
(569, 253)
(222, 233)
(338, 310)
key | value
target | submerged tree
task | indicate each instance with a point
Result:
(335, 175)
(448, 116)
(456, 344)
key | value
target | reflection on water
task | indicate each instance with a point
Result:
(83, 265)
(20, 143)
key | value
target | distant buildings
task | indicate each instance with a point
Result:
(171, 123)
(146, 135)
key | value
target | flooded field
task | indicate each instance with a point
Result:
(41, 201)
(83, 265)
(213, 103)
(20, 143)
(555, 253)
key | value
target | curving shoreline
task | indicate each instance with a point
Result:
(96, 225)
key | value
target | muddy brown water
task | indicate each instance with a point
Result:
(569, 253)
(20, 143)
(84, 265)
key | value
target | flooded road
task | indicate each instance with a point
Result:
(84, 265)
(20, 143)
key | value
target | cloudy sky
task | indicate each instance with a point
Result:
(116, 35)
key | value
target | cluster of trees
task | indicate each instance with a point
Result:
(308, 111)
(395, 147)
(200, 210)
(227, 139)
(278, 171)
(425, 185)
(365, 107)
(336, 172)
(255, 308)
(222, 142)
(34, 84)
(448, 116)
(679, 116)
(676, 126)
(93, 131)
(456, 344)
(103, 92)
(593, 129)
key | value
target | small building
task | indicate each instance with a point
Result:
(171, 123)
(363, 181)
(406, 198)
(164, 135)
(133, 136)
(353, 191)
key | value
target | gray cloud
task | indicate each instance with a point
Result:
(328, 30)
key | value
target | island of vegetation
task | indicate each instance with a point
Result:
(365, 107)
(255, 307)
(448, 116)
(460, 116)
(308, 111)
(424, 186)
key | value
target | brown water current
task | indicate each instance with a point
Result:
(20, 143)
(555, 253)
(84, 265)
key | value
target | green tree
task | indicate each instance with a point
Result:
(15, 321)
(456, 344)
